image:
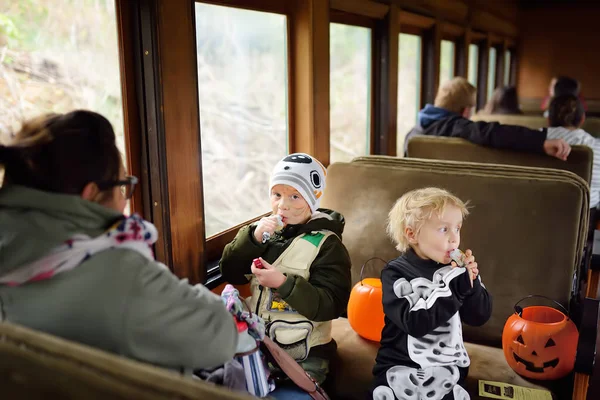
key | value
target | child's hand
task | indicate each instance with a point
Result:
(267, 224)
(470, 265)
(268, 276)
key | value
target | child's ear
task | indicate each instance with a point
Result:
(411, 235)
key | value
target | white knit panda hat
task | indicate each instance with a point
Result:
(305, 174)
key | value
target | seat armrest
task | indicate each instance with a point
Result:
(588, 332)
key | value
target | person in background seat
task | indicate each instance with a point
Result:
(565, 118)
(304, 281)
(559, 86)
(504, 101)
(449, 116)
(72, 265)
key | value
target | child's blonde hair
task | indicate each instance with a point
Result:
(455, 95)
(417, 206)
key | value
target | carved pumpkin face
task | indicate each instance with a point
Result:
(365, 309)
(541, 344)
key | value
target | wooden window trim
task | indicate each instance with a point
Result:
(341, 17)
(308, 87)
(461, 66)
(385, 84)
(131, 113)
(411, 30)
(215, 244)
(452, 31)
(416, 20)
(482, 72)
(365, 8)
(338, 17)
(431, 56)
(272, 6)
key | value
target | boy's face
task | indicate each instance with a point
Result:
(438, 236)
(290, 205)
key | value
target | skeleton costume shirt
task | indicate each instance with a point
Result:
(422, 354)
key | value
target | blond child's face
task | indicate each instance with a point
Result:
(290, 205)
(438, 236)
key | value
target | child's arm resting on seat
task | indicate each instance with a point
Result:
(325, 295)
(477, 305)
(409, 310)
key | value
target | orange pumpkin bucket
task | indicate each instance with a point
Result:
(540, 342)
(365, 307)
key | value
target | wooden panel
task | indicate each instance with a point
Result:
(153, 163)
(431, 64)
(452, 31)
(387, 36)
(366, 8)
(177, 47)
(545, 51)
(477, 36)
(309, 36)
(500, 55)
(415, 20)
(453, 11)
(461, 66)
(342, 17)
(126, 15)
(276, 6)
(482, 73)
(488, 22)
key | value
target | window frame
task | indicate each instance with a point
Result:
(415, 31)
(363, 21)
(215, 244)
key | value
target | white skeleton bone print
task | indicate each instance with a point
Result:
(433, 383)
(444, 345)
(422, 293)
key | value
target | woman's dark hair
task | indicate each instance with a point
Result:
(565, 85)
(62, 153)
(566, 110)
(503, 101)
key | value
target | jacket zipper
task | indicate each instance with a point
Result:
(260, 287)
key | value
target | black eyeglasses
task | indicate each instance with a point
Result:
(127, 185)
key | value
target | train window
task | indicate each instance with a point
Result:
(491, 80)
(350, 91)
(242, 87)
(446, 61)
(409, 86)
(507, 68)
(57, 59)
(473, 64)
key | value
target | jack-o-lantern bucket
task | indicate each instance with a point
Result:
(540, 342)
(365, 307)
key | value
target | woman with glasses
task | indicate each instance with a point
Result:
(72, 265)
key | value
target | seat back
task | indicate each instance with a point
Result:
(592, 126)
(527, 225)
(529, 121)
(580, 161)
(35, 365)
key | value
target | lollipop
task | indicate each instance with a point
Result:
(458, 257)
(266, 235)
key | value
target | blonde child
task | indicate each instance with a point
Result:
(302, 279)
(426, 296)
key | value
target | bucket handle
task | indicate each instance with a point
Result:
(365, 264)
(519, 310)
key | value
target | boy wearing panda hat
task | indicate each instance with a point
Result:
(304, 282)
